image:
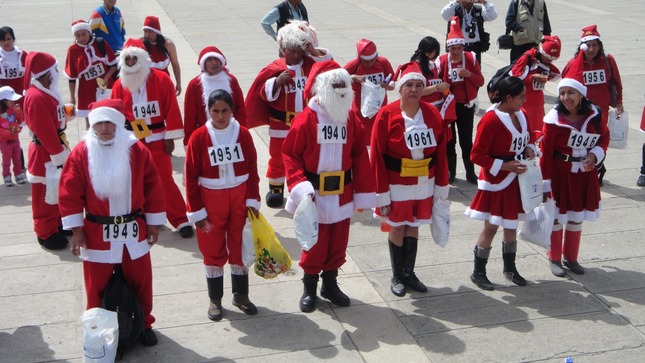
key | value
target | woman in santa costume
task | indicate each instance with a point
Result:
(162, 50)
(214, 75)
(436, 89)
(325, 157)
(12, 62)
(575, 142)
(462, 71)
(503, 136)
(111, 200)
(222, 183)
(408, 157)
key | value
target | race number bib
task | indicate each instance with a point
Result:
(94, 71)
(519, 143)
(594, 77)
(332, 134)
(376, 78)
(538, 86)
(434, 82)
(60, 113)
(11, 73)
(454, 75)
(582, 140)
(225, 154)
(146, 110)
(125, 232)
(420, 139)
(298, 84)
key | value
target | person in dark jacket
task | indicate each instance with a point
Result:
(281, 14)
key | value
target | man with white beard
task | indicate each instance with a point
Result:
(112, 177)
(153, 115)
(45, 117)
(214, 76)
(325, 156)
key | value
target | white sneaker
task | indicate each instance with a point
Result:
(7, 181)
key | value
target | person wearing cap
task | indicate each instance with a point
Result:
(410, 166)
(219, 192)
(162, 50)
(461, 70)
(528, 21)
(574, 144)
(12, 61)
(92, 63)
(107, 22)
(472, 17)
(277, 95)
(154, 117)
(45, 116)
(536, 68)
(325, 158)
(10, 126)
(600, 75)
(111, 200)
(282, 14)
(214, 75)
(368, 66)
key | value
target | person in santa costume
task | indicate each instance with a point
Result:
(600, 76)
(277, 95)
(214, 75)
(111, 200)
(45, 116)
(162, 50)
(12, 61)
(462, 71)
(536, 68)
(91, 64)
(153, 115)
(325, 157)
(425, 55)
(574, 144)
(503, 136)
(222, 183)
(368, 66)
(409, 163)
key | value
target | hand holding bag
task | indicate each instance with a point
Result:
(538, 231)
(440, 224)
(372, 96)
(618, 129)
(100, 335)
(305, 223)
(531, 188)
(271, 259)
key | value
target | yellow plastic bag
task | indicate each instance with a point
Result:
(271, 259)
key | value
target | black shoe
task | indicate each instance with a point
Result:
(471, 177)
(243, 303)
(556, 268)
(641, 180)
(275, 196)
(413, 282)
(215, 311)
(574, 267)
(481, 281)
(515, 277)
(149, 338)
(308, 299)
(54, 242)
(186, 231)
(397, 287)
(330, 290)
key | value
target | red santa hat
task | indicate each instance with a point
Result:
(208, 52)
(317, 69)
(134, 47)
(550, 47)
(455, 35)
(37, 65)
(408, 71)
(574, 75)
(152, 23)
(589, 33)
(111, 110)
(80, 25)
(366, 49)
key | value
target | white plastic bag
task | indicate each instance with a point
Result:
(102, 94)
(248, 249)
(531, 188)
(305, 223)
(52, 178)
(372, 96)
(440, 226)
(538, 230)
(100, 335)
(618, 130)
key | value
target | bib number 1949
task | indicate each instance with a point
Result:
(126, 232)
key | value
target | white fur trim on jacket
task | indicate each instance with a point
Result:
(115, 253)
(441, 192)
(599, 152)
(156, 219)
(174, 134)
(268, 89)
(72, 221)
(383, 199)
(497, 166)
(420, 191)
(364, 200)
(297, 194)
(59, 159)
(35, 179)
(196, 216)
(486, 185)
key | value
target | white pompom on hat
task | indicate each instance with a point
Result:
(589, 33)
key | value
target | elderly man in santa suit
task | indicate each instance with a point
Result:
(112, 178)
(45, 117)
(325, 157)
(277, 95)
(214, 75)
(153, 115)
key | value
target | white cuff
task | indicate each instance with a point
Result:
(546, 185)
(364, 200)
(174, 134)
(196, 216)
(497, 166)
(72, 221)
(156, 219)
(441, 192)
(268, 89)
(383, 199)
(253, 203)
(59, 159)
(599, 152)
(297, 194)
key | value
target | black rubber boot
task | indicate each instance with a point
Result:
(275, 196)
(479, 273)
(215, 293)
(509, 251)
(410, 279)
(396, 258)
(240, 285)
(56, 241)
(308, 299)
(330, 290)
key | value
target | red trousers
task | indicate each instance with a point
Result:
(138, 274)
(275, 170)
(46, 216)
(328, 253)
(175, 204)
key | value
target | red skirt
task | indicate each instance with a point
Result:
(576, 195)
(502, 208)
(411, 213)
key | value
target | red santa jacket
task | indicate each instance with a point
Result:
(375, 74)
(394, 137)
(195, 114)
(157, 105)
(160, 60)
(77, 195)
(596, 79)
(316, 145)
(12, 73)
(525, 67)
(464, 89)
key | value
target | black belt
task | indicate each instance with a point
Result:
(394, 164)
(37, 142)
(504, 158)
(114, 219)
(155, 126)
(331, 183)
(282, 116)
(566, 157)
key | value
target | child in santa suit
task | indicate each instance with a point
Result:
(325, 157)
(222, 183)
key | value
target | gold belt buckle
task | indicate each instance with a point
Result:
(140, 129)
(118, 220)
(412, 168)
(340, 175)
(288, 117)
(63, 139)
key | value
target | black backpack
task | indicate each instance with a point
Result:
(502, 73)
(122, 299)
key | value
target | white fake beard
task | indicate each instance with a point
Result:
(213, 83)
(53, 87)
(133, 78)
(335, 101)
